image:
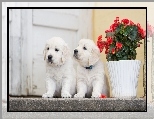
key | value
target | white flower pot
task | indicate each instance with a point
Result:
(123, 76)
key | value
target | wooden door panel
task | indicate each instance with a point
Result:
(55, 19)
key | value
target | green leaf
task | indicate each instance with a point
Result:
(125, 58)
(111, 47)
(129, 56)
(133, 33)
(128, 42)
(119, 29)
(121, 32)
(123, 53)
(116, 39)
(118, 54)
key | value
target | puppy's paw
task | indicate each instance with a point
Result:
(66, 95)
(79, 95)
(47, 95)
(95, 95)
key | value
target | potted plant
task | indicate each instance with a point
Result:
(122, 39)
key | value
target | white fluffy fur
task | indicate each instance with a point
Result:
(90, 82)
(60, 73)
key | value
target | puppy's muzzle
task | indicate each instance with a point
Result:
(50, 58)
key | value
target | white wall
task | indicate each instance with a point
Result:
(4, 35)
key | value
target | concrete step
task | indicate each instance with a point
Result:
(72, 104)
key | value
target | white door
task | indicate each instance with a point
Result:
(30, 29)
(38, 25)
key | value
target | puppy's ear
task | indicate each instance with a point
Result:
(65, 53)
(95, 54)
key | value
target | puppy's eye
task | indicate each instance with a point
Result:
(47, 48)
(84, 48)
(56, 49)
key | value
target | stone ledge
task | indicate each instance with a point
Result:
(72, 104)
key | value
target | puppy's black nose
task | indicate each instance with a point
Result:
(75, 51)
(50, 57)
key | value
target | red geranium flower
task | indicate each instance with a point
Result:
(138, 45)
(131, 23)
(115, 21)
(113, 26)
(117, 49)
(118, 45)
(106, 51)
(103, 96)
(125, 21)
(110, 30)
(113, 50)
(106, 31)
(143, 34)
(141, 31)
(109, 40)
(101, 44)
(138, 25)
(100, 38)
(117, 18)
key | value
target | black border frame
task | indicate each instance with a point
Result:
(145, 48)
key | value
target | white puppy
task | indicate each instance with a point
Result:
(91, 80)
(60, 73)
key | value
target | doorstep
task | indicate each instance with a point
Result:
(73, 104)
